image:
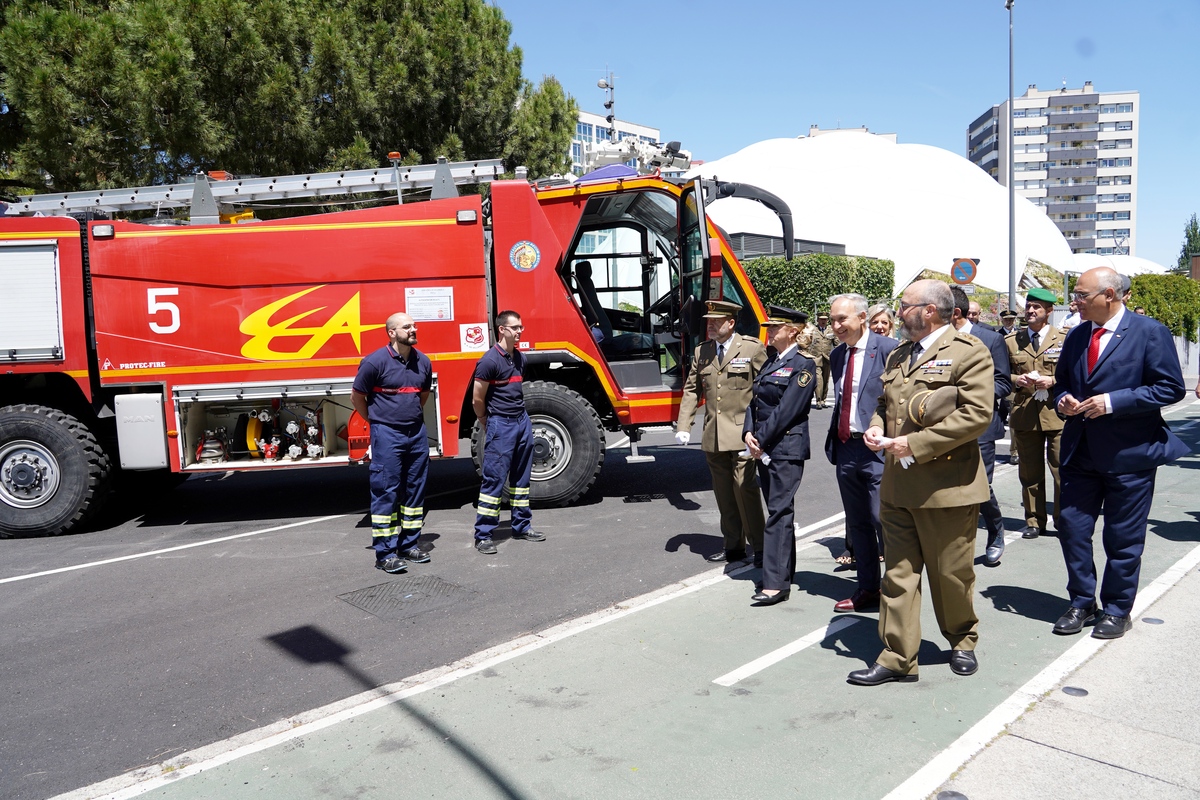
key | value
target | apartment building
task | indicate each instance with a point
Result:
(592, 129)
(1074, 155)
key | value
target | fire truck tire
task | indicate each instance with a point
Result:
(568, 442)
(53, 472)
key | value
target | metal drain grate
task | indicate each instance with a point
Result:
(406, 597)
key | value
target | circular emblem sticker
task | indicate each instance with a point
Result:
(524, 256)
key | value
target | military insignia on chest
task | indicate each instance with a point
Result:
(783, 372)
(804, 378)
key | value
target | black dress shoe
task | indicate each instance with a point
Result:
(876, 675)
(727, 555)
(764, 599)
(963, 662)
(1111, 627)
(1074, 620)
(1032, 532)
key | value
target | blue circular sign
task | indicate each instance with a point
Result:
(963, 271)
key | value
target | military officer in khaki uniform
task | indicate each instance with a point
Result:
(1035, 424)
(722, 373)
(933, 482)
(823, 340)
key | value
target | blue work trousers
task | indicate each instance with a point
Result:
(507, 464)
(399, 471)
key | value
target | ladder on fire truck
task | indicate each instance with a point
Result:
(205, 195)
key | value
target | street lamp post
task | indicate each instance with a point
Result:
(1012, 188)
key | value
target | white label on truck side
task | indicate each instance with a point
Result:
(429, 303)
(472, 337)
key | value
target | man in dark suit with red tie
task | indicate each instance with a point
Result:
(1116, 371)
(856, 366)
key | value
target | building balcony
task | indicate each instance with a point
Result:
(1078, 153)
(1083, 190)
(1075, 224)
(1057, 101)
(1071, 172)
(1080, 244)
(1070, 208)
(1060, 117)
(1073, 136)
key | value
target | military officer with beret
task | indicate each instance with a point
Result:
(1035, 424)
(722, 373)
(776, 426)
(933, 483)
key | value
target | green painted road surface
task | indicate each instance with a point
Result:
(626, 704)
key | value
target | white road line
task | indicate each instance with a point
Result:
(927, 779)
(622, 442)
(775, 656)
(170, 549)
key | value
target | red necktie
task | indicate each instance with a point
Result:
(847, 391)
(1094, 348)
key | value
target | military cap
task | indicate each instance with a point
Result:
(932, 405)
(719, 309)
(1008, 313)
(785, 316)
(1041, 295)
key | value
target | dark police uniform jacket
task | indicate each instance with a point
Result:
(778, 413)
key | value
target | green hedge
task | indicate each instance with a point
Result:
(809, 280)
(1173, 300)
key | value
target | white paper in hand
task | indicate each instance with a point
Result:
(885, 442)
(683, 437)
(1039, 394)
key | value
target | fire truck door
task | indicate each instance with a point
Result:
(694, 284)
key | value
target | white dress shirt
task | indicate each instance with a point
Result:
(860, 357)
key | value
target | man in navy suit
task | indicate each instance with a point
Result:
(855, 396)
(1116, 371)
(1002, 379)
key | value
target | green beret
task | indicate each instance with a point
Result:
(1044, 295)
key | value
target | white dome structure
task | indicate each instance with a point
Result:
(1125, 265)
(918, 205)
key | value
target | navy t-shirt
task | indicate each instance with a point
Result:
(393, 385)
(503, 373)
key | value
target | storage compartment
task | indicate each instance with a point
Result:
(254, 426)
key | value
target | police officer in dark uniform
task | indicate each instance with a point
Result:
(508, 436)
(776, 426)
(390, 391)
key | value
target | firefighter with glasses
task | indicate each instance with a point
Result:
(390, 392)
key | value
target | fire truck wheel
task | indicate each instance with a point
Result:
(568, 444)
(53, 473)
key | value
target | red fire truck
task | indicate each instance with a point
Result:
(225, 342)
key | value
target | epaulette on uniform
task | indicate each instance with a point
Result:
(966, 337)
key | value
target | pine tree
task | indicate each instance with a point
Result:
(1190, 247)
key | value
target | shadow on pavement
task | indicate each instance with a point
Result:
(701, 544)
(1026, 602)
(1181, 531)
(311, 645)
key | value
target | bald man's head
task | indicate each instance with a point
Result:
(401, 330)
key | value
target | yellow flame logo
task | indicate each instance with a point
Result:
(346, 321)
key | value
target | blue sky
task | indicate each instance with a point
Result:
(719, 76)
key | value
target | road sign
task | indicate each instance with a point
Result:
(963, 270)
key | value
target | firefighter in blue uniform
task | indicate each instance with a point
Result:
(776, 425)
(390, 391)
(508, 436)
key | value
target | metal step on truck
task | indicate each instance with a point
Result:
(214, 326)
